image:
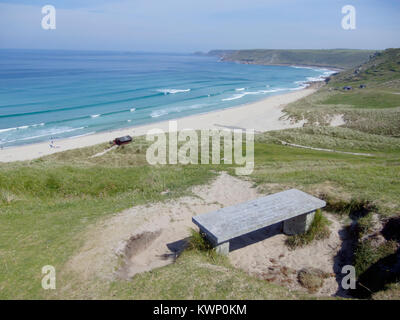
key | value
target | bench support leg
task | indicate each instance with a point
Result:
(299, 224)
(223, 248)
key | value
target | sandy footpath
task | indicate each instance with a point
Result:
(262, 116)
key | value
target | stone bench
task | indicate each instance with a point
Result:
(295, 208)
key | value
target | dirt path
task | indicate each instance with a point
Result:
(327, 150)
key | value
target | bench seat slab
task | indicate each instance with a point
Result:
(227, 223)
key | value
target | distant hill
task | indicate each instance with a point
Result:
(335, 58)
(382, 69)
(366, 96)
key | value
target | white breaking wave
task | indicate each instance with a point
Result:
(39, 124)
(298, 67)
(234, 97)
(241, 95)
(133, 110)
(325, 73)
(7, 129)
(275, 90)
(172, 91)
(163, 112)
(95, 115)
(49, 132)
(22, 127)
(240, 89)
(321, 77)
(301, 85)
(158, 113)
(315, 79)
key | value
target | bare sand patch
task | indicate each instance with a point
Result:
(337, 120)
(264, 254)
(146, 237)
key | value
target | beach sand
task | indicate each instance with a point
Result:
(264, 115)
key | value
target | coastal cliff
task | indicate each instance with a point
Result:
(335, 58)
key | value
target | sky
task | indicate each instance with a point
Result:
(199, 25)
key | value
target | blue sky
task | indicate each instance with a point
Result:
(191, 25)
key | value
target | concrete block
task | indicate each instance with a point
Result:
(299, 224)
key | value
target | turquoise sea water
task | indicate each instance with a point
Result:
(58, 94)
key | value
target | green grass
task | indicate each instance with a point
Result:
(48, 204)
(362, 98)
(365, 225)
(340, 139)
(199, 242)
(367, 254)
(195, 276)
(336, 176)
(319, 229)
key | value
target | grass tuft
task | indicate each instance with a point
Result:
(319, 229)
(365, 225)
(199, 242)
(366, 254)
(355, 208)
(312, 278)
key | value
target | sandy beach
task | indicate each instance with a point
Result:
(264, 115)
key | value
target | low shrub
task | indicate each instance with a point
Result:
(312, 278)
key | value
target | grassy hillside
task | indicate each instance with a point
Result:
(336, 58)
(47, 204)
(373, 109)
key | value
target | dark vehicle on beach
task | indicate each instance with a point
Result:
(122, 140)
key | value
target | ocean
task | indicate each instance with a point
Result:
(53, 94)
